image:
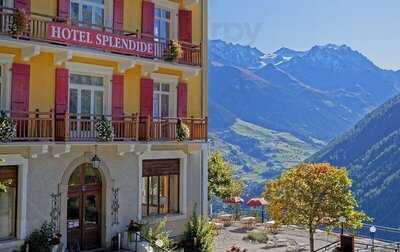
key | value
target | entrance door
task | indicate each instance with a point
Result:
(84, 209)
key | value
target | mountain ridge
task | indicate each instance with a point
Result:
(288, 92)
(371, 153)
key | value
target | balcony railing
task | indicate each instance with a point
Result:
(48, 126)
(37, 30)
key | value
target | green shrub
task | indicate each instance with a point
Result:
(40, 240)
(198, 236)
(256, 236)
(158, 236)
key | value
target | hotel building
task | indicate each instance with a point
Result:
(66, 63)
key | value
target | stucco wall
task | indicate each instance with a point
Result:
(47, 175)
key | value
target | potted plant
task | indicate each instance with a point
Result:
(182, 131)
(56, 242)
(41, 240)
(133, 229)
(104, 130)
(198, 236)
(19, 23)
(174, 51)
(7, 128)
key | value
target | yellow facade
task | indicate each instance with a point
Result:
(42, 66)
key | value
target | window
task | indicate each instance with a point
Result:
(162, 24)
(160, 194)
(162, 99)
(88, 12)
(8, 202)
(86, 94)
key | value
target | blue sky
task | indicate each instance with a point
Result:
(369, 26)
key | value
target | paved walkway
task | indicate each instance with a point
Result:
(233, 235)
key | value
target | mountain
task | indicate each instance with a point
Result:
(371, 152)
(315, 94)
(312, 96)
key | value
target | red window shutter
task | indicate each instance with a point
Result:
(23, 4)
(146, 97)
(185, 26)
(182, 100)
(20, 88)
(148, 19)
(118, 15)
(63, 8)
(118, 96)
(61, 96)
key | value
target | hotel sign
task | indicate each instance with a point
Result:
(108, 41)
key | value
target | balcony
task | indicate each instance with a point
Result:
(44, 28)
(50, 127)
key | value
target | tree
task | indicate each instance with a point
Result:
(221, 182)
(311, 195)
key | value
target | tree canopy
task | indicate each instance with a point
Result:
(311, 195)
(221, 182)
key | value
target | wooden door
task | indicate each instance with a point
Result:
(84, 209)
(91, 219)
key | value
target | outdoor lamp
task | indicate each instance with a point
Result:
(372, 229)
(95, 159)
(342, 220)
(95, 162)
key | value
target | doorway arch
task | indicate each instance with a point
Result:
(84, 208)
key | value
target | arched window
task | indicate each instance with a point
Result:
(85, 174)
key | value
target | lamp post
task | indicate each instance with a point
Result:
(372, 231)
(342, 220)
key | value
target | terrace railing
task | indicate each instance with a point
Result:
(38, 25)
(48, 126)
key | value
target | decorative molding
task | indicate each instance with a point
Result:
(141, 149)
(123, 66)
(148, 69)
(170, 79)
(123, 149)
(58, 150)
(37, 150)
(62, 57)
(115, 206)
(193, 148)
(28, 52)
(55, 211)
(188, 74)
(88, 68)
(189, 3)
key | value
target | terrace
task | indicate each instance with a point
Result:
(48, 126)
(41, 28)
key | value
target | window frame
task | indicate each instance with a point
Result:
(172, 81)
(22, 198)
(173, 8)
(91, 88)
(6, 61)
(147, 202)
(16, 205)
(183, 200)
(93, 70)
(107, 12)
